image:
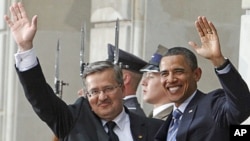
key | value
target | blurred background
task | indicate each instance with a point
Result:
(144, 24)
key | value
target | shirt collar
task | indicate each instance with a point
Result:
(161, 108)
(120, 120)
(183, 106)
(128, 97)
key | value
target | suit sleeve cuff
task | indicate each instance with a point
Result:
(224, 68)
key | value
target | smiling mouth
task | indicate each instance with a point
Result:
(103, 104)
(173, 89)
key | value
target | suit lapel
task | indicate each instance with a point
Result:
(188, 117)
(96, 130)
(161, 135)
(185, 123)
(101, 133)
(137, 127)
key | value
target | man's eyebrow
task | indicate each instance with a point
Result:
(163, 71)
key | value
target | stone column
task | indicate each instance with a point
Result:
(131, 15)
(104, 14)
(8, 84)
(244, 64)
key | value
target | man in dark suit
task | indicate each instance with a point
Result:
(87, 118)
(202, 117)
(131, 66)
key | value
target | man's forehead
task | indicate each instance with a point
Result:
(173, 59)
(173, 67)
(99, 85)
(101, 76)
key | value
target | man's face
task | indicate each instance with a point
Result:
(152, 90)
(177, 78)
(107, 105)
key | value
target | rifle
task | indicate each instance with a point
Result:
(57, 82)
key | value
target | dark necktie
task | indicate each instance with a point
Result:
(111, 133)
(174, 125)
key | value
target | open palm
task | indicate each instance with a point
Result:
(22, 29)
(210, 44)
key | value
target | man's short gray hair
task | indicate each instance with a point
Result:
(100, 66)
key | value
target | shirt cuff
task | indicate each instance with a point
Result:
(224, 68)
(25, 60)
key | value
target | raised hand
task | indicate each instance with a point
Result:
(210, 44)
(22, 29)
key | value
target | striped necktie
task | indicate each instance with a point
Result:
(174, 125)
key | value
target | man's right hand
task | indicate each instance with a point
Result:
(22, 29)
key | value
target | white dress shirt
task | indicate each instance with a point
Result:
(122, 129)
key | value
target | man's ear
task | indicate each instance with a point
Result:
(126, 77)
(197, 74)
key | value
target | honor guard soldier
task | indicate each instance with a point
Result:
(131, 66)
(153, 92)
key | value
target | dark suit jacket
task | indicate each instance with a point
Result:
(208, 116)
(75, 122)
(134, 106)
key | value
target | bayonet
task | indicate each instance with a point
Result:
(57, 82)
(116, 52)
(82, 64)
(56, 79)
